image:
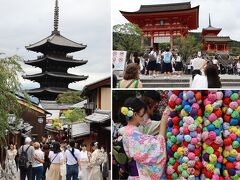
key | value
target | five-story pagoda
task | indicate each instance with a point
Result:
(54, 78)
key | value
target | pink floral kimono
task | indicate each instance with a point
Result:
(148, 151)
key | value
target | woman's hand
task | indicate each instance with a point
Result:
(163, 126)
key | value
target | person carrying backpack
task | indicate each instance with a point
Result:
(25, 159)
(73, 161)
(167, 64)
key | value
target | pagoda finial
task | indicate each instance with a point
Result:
(56, 18)
(210, 25)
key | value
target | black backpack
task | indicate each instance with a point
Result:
(23, 159)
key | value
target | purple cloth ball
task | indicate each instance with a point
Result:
(206, 157)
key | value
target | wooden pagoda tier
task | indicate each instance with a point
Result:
(212, 42)
(162, 22)
(55, 62)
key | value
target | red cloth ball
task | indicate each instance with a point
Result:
(215, 146)
(218, 112)
(185, 143)
(229, 165)
(196, 173)
(175, 166)
(200, 112)
(226, 101)
(227, 118)
(176, 126)
(217, 153)
(197, 152)
(174, 148)
(198, 96)
(227, 141)
(171, 104)
(199, 130)
(176, 92)
(198, 165)
(175, 120)
(186, 131)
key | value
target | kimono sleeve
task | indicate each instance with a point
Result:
(145, 149)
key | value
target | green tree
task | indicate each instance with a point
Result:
(187, 46)
(75, 115)
(127, 37)
(9, 87)
(69, 97)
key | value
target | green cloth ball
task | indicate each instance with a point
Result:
(235, 114)
(206, 114)
(185, 174)
(196, 123)
(172, 161)
(205, 129)
(178, 108)
(181, 123)
(235, 144)
(169, 134)
(174, 176)
(234, 97)
(180, 168)
(217, 124)
(209, 150)
(173, 139)
(176, 155)
(235, 177)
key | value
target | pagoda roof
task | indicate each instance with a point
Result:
(56, 90)
(217, 39)
(57, 75)
(161, 8)
(210, 29)
(56, 39)
(69, 61)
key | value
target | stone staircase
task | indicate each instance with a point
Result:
(228, 82)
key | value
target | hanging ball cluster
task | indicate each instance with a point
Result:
(212, 136)
(231, 133)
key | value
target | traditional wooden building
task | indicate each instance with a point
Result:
(55, 62)
(160, 23)
(212, 42)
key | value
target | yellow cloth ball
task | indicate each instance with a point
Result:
(238, 109)
(184, 166)
(124, 110)
(184, 113)
(209, 108)
(225, 173)
(238, 132)
(204, 146)
(199, 119)
(220, 149)
(213, 158)
(224, 110)
(226, 153)
(210, 167)
(233, 152)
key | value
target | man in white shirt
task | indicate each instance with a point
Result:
(198, 64)
(73, 161)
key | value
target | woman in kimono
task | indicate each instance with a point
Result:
(84, 161)
(10, 164)
(96, 160)
(148, 151)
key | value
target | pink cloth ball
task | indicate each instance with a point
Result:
(238, 157)
(220, 159)
(218, 140)
(212, 117)
(178, 101)
(215, 177)
(175, 132)
(212, 135)
(219, 95)
(206, 102)
(208, 142)
(191, 156)
(195, 106)
(170, 170)
(228, 148)
(233, 136)
(212, 97)
(238, 101)
(194, 141)
(237, 166)
(173, 97)
(205, 135)
(233, 105)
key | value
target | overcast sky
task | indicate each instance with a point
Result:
(25, 22)
(224, 13)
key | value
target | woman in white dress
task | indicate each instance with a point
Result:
(84, 161)
(96, 160)
(10, 164)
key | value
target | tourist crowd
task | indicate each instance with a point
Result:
(54, 160)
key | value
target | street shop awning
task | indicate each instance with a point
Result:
(99, 116)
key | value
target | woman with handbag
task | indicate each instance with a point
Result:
(57, 159)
